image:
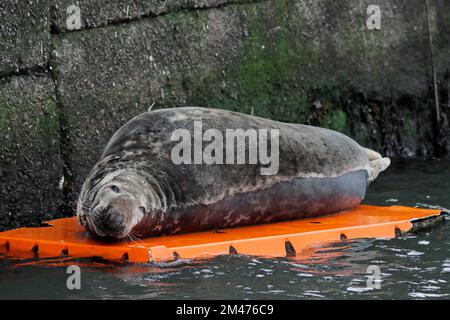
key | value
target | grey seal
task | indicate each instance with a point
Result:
(137, 189)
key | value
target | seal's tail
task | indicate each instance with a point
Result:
(377, 164)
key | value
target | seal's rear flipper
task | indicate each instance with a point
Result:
(373, 155)
(377, 164)
(376, 167)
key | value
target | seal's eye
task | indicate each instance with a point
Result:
(142, 209)
(115, 189)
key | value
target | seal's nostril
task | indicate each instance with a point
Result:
(112, 221)
(115, 214)
(107, 217)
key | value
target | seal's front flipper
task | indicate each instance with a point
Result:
(376, 167)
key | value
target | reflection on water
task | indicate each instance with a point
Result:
(415, 266)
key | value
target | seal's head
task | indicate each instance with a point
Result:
(113, 206)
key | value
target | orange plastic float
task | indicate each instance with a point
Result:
(65, 237)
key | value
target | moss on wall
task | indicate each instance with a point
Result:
(30, 162)
(303, 61)
(24, 35)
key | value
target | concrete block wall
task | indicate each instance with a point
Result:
(72, 72)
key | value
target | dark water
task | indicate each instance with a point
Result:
(413, 267)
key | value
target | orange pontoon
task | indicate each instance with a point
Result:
(65, 237)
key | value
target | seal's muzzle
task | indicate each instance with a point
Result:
(114, 218)
(112, 222)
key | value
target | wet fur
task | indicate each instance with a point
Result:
(142, 148)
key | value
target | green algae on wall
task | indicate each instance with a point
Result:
(272, 76)
(264, 77)
(26, 117)
(24, 35)
(30, 160)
